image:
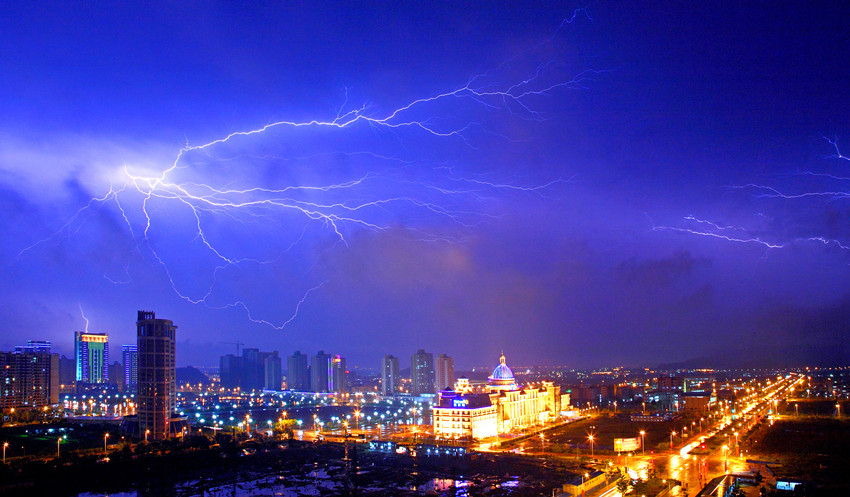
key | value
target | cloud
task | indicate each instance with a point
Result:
(659, 273)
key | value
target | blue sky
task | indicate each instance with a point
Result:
(595, 187)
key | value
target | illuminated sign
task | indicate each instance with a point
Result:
(460, 402)
(626, 444)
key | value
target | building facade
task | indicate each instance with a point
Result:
(91, 350)
(130, 358)
(298, 372)
(444, 373)
(339, 375)
(421, 373)
(321, 372)
(499, 407)
(157, 392)
(28, 380)
(390, 380)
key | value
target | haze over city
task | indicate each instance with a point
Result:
(617, 184)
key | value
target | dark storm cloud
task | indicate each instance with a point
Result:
(694, 102)
(654, 273)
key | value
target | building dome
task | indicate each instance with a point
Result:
(502, 377)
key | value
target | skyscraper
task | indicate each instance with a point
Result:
(91, 350)
(422, 372)
(298, 372)
(339, 375)
(389, 375)
(130, 357)
(445, 372)
(157, 392)
(321, 372)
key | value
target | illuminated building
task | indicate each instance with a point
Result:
(157, 392)
(130, 357)
(34, 346)
(444, 372)
(339, 375)
(422, 373)
(28, 379)
(499, 407)
(91, 351)
(390, 379)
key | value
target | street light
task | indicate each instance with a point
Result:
(105, 436)
(642, 443)
(147, 432)
(590, 437)
(5, 444)
(672, 433)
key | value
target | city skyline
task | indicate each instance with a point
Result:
(595, 187)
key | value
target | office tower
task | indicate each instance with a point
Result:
(445, 372)
(130, 356)
(157, 393)
(422, 372)
(339, 375)
(298, 372)
(320, 372)
(91, 351)
(389, 375)
(28, 379)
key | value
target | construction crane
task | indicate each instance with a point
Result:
(238, 344)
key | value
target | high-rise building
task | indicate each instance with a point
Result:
(444, 372)
(298, 372)
(339, 375)
(271, 377)
(321, 372)
(28, 379)
(67, 373)
(389, 375)
(157, 393)
(34, 346)
(130, 357)
(253, 370)
(91, 351)
(422, 372)
(116, 375)
(230, 371)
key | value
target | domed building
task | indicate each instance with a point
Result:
(500, 406)
(502, 377)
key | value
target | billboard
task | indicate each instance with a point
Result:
(626, 444)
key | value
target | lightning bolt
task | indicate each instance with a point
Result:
(745, 235)
(84, 317)
(212, 183)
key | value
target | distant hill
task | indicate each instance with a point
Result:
(191, 375)
(769, 356)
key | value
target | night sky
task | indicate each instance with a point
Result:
(631, 184)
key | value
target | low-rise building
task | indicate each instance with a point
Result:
(501, 406)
